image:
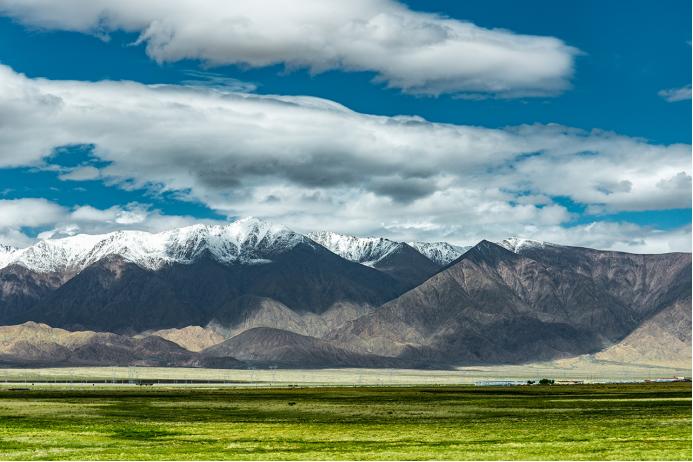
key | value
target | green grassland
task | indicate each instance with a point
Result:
(644, 421)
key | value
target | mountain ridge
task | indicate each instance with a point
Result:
(249, 240)
(386, 304)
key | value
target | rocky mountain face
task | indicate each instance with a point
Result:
(543, 302)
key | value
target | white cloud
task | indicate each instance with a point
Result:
(676, 94)
(416, 52)
(313, 164)
(28, 212)
(19, 216)
(621, 236)
(91, 220)
(618, 236)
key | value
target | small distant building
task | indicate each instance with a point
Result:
(670, 379)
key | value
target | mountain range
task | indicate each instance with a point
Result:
(253, 292)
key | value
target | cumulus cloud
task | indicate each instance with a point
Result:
(417, 52)
(313, 164)
(621, 236)
(28, 212)
(673, 95)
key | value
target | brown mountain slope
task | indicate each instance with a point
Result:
(41, 345)
(646, 283)
(251, 311)
(662, 340)
(495, 306)
(192, 338)
(267, 346)
(22, 288)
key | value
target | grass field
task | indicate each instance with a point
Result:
(648, 421)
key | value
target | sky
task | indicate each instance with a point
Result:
(568, 122)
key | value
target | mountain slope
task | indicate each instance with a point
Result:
(251, 311)
(644, 283)
(662, 340)
(22, 288)
(192, 338)
(287, 349)
(497, 306)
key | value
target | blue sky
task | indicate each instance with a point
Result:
(624, 61)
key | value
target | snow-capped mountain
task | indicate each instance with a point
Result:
(365, 250)
(396, 259)
(517, 244)
(249, 241)
(439, 252)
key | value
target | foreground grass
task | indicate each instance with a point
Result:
(651, 421)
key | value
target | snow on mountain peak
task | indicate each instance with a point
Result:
(6, 254)
(516, 244)
(370, 250)
(439, 252)
(365, 250)
(249, 240)
(253, 232)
